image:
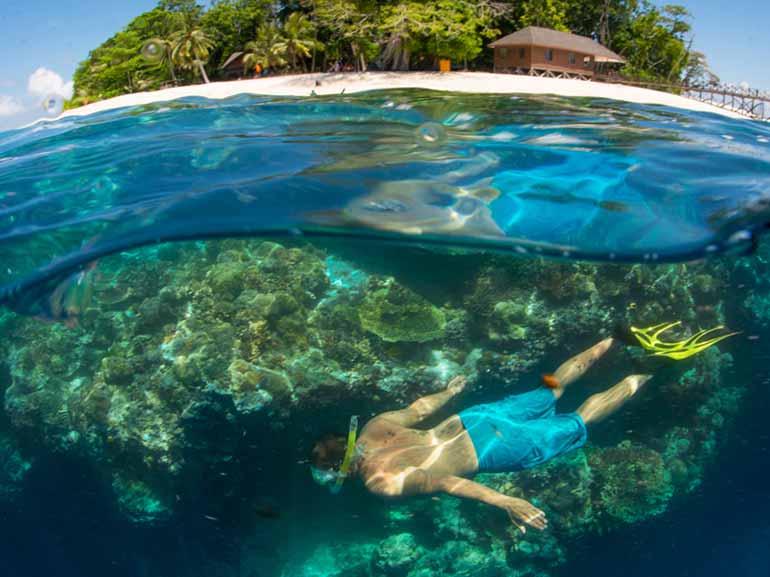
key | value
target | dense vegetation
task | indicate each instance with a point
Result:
(180, 42)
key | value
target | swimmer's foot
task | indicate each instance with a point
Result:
(634, 383)
(575, 367)
(601, 405)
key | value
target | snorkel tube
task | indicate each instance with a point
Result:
(345, 467)
(334, 479)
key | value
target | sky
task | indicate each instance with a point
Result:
(42, 42)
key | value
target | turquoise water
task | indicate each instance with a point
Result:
(195, 292)
(572, 178)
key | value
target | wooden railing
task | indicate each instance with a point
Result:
(749, 101)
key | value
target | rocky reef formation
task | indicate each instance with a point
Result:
(208, 369)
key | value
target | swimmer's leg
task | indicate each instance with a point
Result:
(572, 369)
(601, 405)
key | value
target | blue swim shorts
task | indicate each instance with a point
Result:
(522, 431)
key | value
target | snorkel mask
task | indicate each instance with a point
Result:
(335, 479)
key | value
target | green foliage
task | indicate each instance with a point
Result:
(231, 24)
(546, 13)
(191, 46)
(299, 38)
(268, 50)
(117, 66)
(653, 43)
(395, 34)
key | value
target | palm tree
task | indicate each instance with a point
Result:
(267, 50)
(191, 47)
(299, 34)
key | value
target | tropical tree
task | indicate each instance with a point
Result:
(401, 27)
(231, 24)
(267, 50)
(191, 46)
(653, 43)
(299, 38)
(349, 26)
(546, 13)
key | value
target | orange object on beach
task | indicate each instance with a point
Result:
(550, 381)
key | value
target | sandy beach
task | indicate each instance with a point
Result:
(475, 82)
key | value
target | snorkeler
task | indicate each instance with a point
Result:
(521, 431)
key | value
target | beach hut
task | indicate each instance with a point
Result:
(233, 66)
(545, 52)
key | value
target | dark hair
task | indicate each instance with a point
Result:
(329, 452)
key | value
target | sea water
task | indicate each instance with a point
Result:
(195, 291)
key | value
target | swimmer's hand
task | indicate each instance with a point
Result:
(521, 511)
(457, 385)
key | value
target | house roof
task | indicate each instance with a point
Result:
(556, 39)
(233, 57)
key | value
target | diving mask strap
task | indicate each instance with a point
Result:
(352, 431)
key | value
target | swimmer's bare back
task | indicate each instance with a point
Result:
(397, 460)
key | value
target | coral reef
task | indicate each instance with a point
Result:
(396, 314)
(200, 370)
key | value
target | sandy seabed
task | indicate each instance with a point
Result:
(473, 82)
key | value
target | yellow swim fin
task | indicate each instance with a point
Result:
(677, 350)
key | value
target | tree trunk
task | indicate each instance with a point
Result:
(171, 70)
(604, 24)
(315, 41)
(202, 70)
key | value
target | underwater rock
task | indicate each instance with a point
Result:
(253, 387)
(632, 482)
(139, 502)
(343, 560)
(396, 555)
(396, 314)
(508, 322)
(457, 558)
(13, 470)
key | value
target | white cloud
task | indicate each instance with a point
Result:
(9, 105)
(44, 82)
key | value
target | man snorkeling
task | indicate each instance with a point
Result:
(521, 431)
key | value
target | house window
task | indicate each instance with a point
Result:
(522, 53)
(548, 54)
(586, 62)
(572, 58)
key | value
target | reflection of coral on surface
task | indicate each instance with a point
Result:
(220, 362)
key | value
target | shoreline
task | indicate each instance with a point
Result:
(351, 82)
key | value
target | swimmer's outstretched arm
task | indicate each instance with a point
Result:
(519, 510)
(424, 407)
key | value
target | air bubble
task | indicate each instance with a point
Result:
(740, 236)
(152, 50)
(53, 104)
(430, 133)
